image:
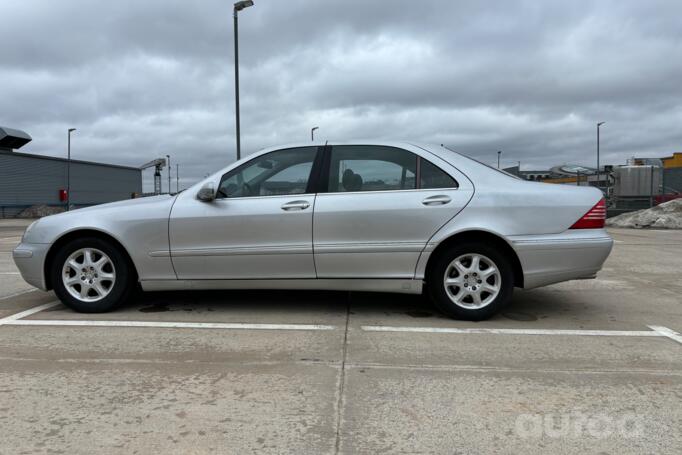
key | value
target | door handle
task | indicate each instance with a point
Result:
(440, 199)
(296, 205)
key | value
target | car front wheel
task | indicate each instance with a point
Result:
(471, 282)
(90, 275)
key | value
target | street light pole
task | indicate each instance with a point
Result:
(238, 7)
(312, 133)
(169, 173)
(68, 168)
(499, 152)
(598, 171)
(177, 178)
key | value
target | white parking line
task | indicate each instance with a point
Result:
(17, 319)
(173, 325)
(666, 332)
(614, 333)
(13, 318)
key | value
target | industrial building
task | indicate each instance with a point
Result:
(28, 180)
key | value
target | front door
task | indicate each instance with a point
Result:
(381, 207)
(259, 226)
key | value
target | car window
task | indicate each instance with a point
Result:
(371, 168)
(431, 176)
(275, 173)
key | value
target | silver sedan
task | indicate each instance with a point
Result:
(361, 216)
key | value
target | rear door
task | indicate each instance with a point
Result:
(378, 209)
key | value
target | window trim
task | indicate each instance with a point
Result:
(323, 182)
(320, 171)
(323, 178)
(314, 174)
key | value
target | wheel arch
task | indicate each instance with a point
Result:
(79, 233)
(478, 235)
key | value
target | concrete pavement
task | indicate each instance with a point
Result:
(346, 389)
(11, 231)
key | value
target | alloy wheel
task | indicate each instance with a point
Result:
(88, 275)
(472, 281)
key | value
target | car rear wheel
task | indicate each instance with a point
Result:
(90, 275)
(471, 282)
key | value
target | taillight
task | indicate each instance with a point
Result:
(594, 218)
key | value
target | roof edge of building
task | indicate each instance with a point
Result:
(56, 158)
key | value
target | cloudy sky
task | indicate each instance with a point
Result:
(142, 79)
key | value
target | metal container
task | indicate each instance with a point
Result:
(637, 181)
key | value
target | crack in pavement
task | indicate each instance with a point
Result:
(342, 381)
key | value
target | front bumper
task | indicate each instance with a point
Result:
(574, 254)
(30, 260)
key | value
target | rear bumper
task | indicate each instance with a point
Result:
(30, 260)
(551, 258)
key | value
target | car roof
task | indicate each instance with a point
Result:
(433, 148)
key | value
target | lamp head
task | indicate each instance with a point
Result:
(238, 6)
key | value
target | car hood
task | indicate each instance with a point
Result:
(120, 204)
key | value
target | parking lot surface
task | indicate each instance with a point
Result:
(589, 366)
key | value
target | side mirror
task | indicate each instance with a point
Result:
(206, 193)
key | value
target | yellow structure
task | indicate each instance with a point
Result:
(570, 179)
(672, 161)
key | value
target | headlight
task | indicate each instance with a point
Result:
(28, 229)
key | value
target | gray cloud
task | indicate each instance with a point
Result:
(145, 79)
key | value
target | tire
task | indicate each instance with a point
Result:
(91, 275)
(494, 286)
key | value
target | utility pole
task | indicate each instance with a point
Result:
(499, 152)
(177, 178)
(68, 169)
(169, 173)
(238, 6)
(598, 171)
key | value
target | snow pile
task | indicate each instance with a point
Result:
(664, 216)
